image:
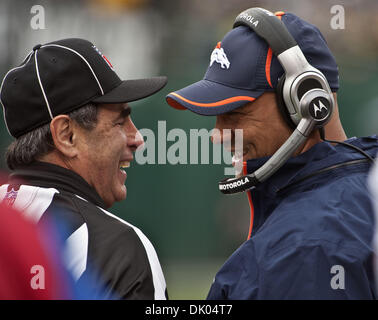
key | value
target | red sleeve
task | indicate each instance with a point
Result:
(27, 269)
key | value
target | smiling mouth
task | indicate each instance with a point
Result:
(239, 156)
(124, 164)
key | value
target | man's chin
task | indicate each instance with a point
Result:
(250, 155)
(121, 194)
(117, 196)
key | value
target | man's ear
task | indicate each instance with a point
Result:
(63, 133)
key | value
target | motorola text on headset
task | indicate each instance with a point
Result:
(303, 95)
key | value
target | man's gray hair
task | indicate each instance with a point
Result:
(37, 143)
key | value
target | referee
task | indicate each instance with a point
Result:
(67, 110)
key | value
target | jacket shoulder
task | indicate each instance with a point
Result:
(116, 247)
(339, 210)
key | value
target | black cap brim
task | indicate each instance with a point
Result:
(132, 90)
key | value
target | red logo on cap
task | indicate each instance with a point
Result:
(103, 56)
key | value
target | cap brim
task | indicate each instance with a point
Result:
(132, 90)
(210, 98)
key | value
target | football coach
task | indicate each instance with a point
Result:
(311, 228)
(69, 114)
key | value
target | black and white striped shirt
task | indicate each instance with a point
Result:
(120, 254)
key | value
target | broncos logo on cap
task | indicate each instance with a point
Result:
(218, 55)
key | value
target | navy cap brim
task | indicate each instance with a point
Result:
(132, 90)
(210, 98)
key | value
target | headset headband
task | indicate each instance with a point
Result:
(268, 27)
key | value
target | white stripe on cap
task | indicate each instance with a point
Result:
(85, 60)
(26, 60)
(40, 84)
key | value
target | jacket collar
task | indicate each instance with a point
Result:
(265, 197)
(48, 175)
(320, 156)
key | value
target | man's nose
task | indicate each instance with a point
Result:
(138, 141)
(134, 137)
(220, 134)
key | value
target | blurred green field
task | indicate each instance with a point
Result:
(190, 280)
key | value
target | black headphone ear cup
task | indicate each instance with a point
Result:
(281, 103)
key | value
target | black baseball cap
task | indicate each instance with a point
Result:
(61, 76)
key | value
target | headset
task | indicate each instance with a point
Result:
(303, 95)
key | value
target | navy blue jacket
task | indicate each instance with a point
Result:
(312, 230)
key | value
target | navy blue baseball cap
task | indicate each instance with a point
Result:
(242, 67)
